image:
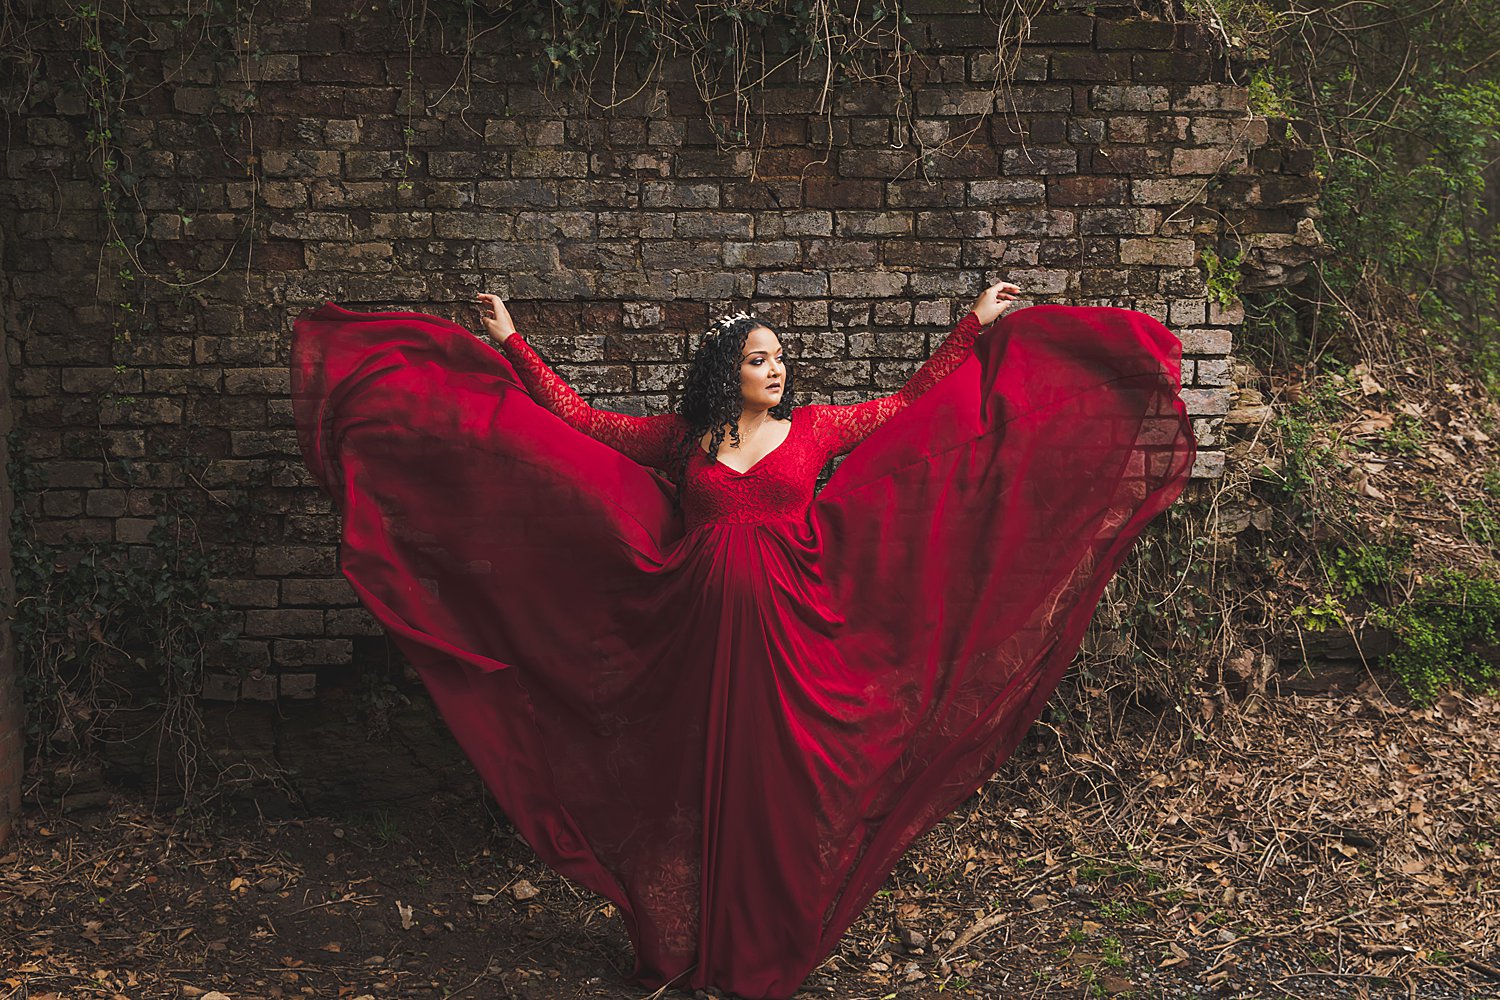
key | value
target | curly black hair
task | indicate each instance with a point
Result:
(711, 399)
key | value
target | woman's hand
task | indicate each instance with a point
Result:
(495, 317)
(994, 300)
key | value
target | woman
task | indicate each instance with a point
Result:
(717, 699)
(737, 388)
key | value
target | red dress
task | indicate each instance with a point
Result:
(733, 721)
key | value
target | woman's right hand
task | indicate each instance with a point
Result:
(994, 300)
(495, 317)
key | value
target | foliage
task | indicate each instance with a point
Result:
(733, 49)
(114, 68)
(1447, 632)
(1224, 276)
(1406, 105)
(1365, 568)
(97, 622)
(1266, 89)
(1308, 454)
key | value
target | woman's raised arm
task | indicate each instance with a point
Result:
(849, 425)
(647, 440)
(854, 422)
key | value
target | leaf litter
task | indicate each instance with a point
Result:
(1332, 845)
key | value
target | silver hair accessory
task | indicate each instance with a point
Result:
(725, 322)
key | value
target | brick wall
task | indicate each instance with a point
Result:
(12, 745)
(1115, 154)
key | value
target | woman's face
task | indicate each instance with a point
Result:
(762, 370)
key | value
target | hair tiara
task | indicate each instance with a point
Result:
(723, 323)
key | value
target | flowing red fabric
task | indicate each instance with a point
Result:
(731, 722)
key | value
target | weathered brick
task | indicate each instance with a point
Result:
(721, 225)
(1060, 29)
(284, 163)
(1090, 65)
(659, 194)
(873, 162)
(1155, 250)
(1202, 402)
(294, 560)
(831, 192)
(258, 686)
(625, 164)
(1168, 192)
(1043, 101)
(1135, 34)
(955, 224)
(1211, 97)
(310, 652)
(867, 284)
(767, 253)
(62, 503)
(943, 193)
(1127, 97)
(1226, 315)
(1085, 189)
(246, 593)
(74, 530)
(257, 381)
(1208, 465)
(922, 253)
(1118, 221)
(548, 163)
(936, 101)
(1036, 160)
(141, 410)
(872, 223)
(1214, 372)
(794, 284)
(516, 194)
(1187, 312)
(220, 687)
(1207, 160)
(1006, 192)
(772, 225)
(101, 380)
(1040, 281)
(682, 254)
(135, 530)
(1036, 222)
(889, 313)
(350, 256)
(305, 685)
(250, 444)
(283, 621)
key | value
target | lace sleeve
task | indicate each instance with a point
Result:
(847, 426)
(647, 440)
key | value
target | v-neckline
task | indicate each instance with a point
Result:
(758, 462)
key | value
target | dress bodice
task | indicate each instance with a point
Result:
(778, 487)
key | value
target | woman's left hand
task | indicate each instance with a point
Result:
(494, 316)
(994, 300)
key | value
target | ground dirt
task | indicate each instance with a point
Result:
(1341, 845)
